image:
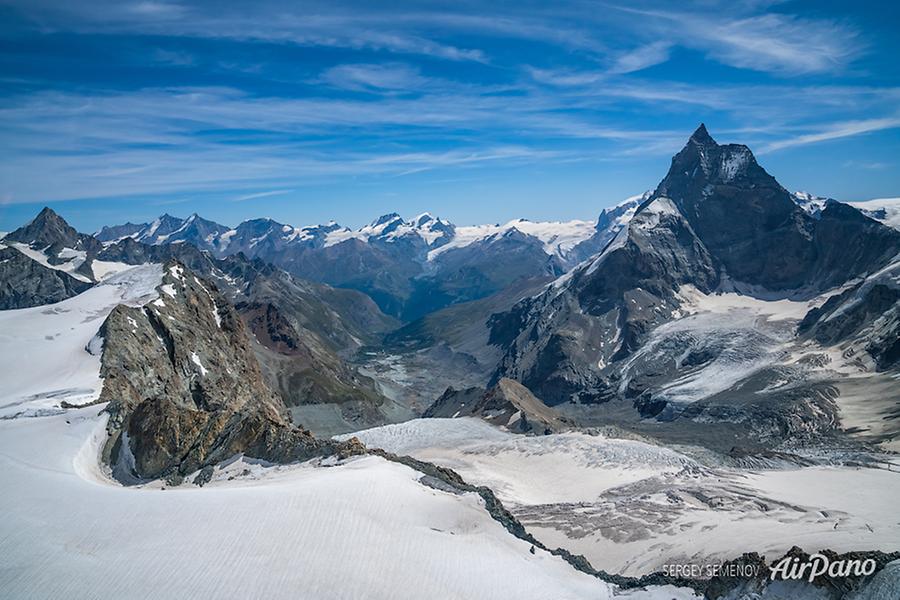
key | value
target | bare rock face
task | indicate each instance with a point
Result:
(185, 390)
(509, 404)
(25, 282)
(863, 319)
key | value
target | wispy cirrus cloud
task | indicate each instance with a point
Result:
(834, 131)
(643, 57)
(378, 77)
(282, 94)
(258, 195)
(771, 42)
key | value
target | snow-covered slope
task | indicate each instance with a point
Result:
(47, 354)
(632, 507)
(73, 259)
(363, 529)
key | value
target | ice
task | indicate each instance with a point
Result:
(566, 467)
(43, 356)
(631, 507)
(103, 269)
(888, 207)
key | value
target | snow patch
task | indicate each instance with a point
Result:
(196, 360)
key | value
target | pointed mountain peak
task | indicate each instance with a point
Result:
(47, 213)
(45, 229)
(701, 137)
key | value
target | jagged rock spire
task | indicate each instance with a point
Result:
(701, 136)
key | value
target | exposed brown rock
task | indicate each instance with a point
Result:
(184, 387)
(509, 404)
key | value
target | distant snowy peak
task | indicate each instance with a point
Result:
(557, 237)
(430, 230)
(619, 215)
(166, 230)
(424, 235)
(812, 205)
(886, 210)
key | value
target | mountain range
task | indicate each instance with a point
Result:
(578, 312)
(617, 382)
(410, 268)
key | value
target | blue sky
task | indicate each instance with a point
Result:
(476, 111)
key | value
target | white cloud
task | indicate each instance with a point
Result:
(833, 132)
(258, 195)
(772, 42)
(642, 58)
(391, 76)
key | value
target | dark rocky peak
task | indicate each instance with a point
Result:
(701, 137)
(167, 224)
(838, 210)
(47, 229)
(703, 163)
(749, 223)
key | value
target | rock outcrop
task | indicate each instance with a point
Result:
(185, 390)
(508, 404)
